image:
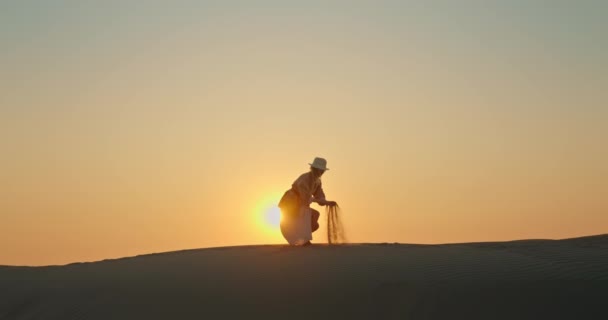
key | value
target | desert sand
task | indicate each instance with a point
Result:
(526, 279)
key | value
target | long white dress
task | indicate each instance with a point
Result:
(297, 230)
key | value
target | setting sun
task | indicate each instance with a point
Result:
(267, 213)
(273, 216)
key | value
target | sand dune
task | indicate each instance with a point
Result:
(529, 279)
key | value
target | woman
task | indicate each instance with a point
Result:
(298, 220)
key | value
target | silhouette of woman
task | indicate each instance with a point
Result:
(298, 220)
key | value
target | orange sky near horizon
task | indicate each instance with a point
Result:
(128, 129)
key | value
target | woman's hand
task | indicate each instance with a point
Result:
(327, 203)
(331, 203)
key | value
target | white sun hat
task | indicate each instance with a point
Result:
(319, 163)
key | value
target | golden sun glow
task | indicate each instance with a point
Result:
(273, 216)
(268, 213)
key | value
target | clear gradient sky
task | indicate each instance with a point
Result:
(131, 127)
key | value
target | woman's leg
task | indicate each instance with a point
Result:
(314, 219)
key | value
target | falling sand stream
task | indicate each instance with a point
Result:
(335, 229)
